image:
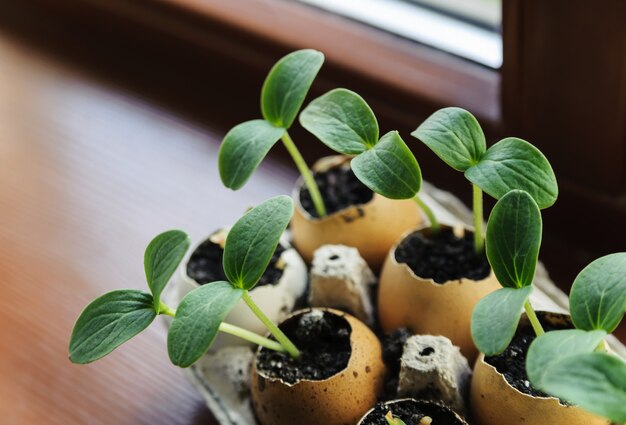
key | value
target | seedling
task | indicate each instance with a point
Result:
(393, 421)
(117, 316)
(573, 364)
(455, 136)
(282, 95)
(344, 122)
(513, 241)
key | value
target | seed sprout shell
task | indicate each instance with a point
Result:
(276, 300)
(495, 402)
(341, 399)
(427, 307)
(371, 227)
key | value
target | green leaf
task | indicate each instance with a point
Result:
(108, 322)
(495, 319)
(198, 319)
(389, 168)
(342, 120)
(287, 85)
(162, 257)
(598, 295)
(455, 136)
(553, 346)
(253, 239)
(513, 163)
(594, 381)
(514, 238)
(243, 149)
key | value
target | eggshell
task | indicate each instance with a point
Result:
(371, 227)
(341, 399)
(494, 401)
(427, 307)
(427, 407)
(276, 301)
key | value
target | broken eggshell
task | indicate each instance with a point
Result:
(276, 300)
(371, 227)
(340, 399)
(427, 307)
(493, 401)
(440, 415)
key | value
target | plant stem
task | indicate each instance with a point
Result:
(534, 321)
(278, 334)
(251, 336)
(307, 176)
(434, 224)
(165, 309)
(234, 330)
(479, 233)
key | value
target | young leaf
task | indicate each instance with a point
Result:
(287, 85)
(514, 238)
(342, 120)
(198, 319)
(455, 136)
(594, 381)
(389, 168)
(162, 257)
(108, 322)
(243, 149)
(598, 295)
(253, 239)
(495, 319)
(393, 421)
(553, 346)
(513, 163)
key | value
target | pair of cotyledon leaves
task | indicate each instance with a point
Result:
(561, 363)
(566, 364)
(117, 316)
(343, 121)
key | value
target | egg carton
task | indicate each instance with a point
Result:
(222, 375)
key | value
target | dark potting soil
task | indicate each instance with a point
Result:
(443, 257)
(324, 343)
(393, 346)
(412, 412)
(339, 188)
(512, 362)
(205, 265)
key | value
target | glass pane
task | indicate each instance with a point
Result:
(466, 28)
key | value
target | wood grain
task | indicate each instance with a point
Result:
(88, 174)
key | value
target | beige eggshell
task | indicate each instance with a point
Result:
(390, 404)
(427, 307)
(371, 228)
(341, 399)
(494, 402)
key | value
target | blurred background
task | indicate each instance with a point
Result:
(111, 114)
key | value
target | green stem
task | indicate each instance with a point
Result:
(165, 309)
(434, 224)
(479, 233)
(307, 176)
(278, 334)
(251, 336)
(234, 330)
(534, 321)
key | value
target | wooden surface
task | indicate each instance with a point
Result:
(88, 174)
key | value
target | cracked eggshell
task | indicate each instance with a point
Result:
(371, 227)
(427, 307)
(438, 412)
(277, 301)
(494, 401)
(341, 399)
